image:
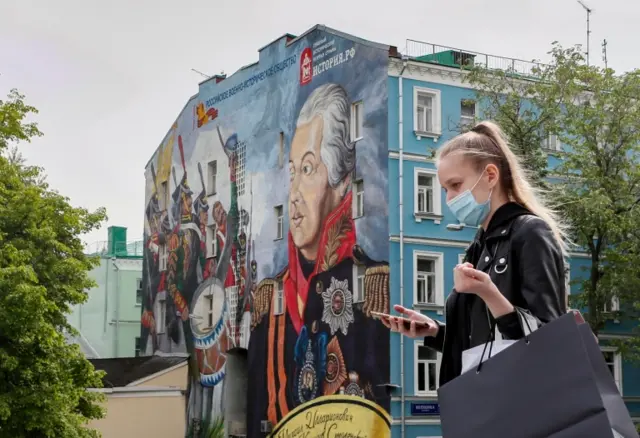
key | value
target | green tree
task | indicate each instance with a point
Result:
(595, 113)
(43, 272)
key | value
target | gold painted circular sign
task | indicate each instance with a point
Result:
(335, 416)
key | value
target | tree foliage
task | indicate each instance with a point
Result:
(596, 183)
(43, 272)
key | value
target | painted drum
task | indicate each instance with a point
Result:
(207, 318)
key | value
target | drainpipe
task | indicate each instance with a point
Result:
(401, 213)
(115, 338)
(106, 294)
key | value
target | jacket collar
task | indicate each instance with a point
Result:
(502, 221)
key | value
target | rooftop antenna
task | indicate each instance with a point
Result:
(604, 53)
(589, 11)
(200, 73)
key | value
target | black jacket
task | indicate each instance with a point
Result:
(519, 252)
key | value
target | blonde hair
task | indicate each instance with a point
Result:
(485, 143)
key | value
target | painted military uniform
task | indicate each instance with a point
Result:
(323, 343)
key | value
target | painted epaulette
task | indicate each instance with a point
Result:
(376, 290)
(262, 300)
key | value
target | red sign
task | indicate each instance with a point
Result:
(306, 66)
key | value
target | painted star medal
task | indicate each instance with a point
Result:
(338, 306)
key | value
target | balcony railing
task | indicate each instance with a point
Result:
(457, 58)
(133, 248)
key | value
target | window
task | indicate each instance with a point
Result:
(427, 370)
(279, 222)
(467, 113)
(278, 299)
(461, 258)
(426, 117)
(244, 219)
(161, 315)
(241, 157)
(281, 150)
(163, 257)
(358, 282)
(210, 311)
(357, 120)
(137, 347)
(139, 291)
(552, 143)
(212, 242)
(428, 273)
(567, 283)
(358, 199)
(163, 196)
(614, 362)
(212, 173)
(612, 305)
(427, 193)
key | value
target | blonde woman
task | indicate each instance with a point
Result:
(515, 261)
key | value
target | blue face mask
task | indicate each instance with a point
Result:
(467, 210)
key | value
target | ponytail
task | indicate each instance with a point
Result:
(487, 143)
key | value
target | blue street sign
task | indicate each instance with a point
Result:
(425, 408)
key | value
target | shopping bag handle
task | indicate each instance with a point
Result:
(491, 339)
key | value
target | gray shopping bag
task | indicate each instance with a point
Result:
(545, 385)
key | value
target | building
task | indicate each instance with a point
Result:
(136, 390)
(109, 321)
(277, 206)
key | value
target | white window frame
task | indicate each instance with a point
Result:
(278, 298)
(137, 346)
(461, 258)
(358, 199)
(567, 280)
(241, 168)
(617, 365)
(359, 287)
(437, 193)
(614, 305)
(163, 257)
(139, 291)
(212, 241)
(465, 121)
(209, 313)
(212, 177)
(552, 143)
(163, 195)
(357, 121)
(279, 213)
(436, 112)
(438, 259)
(416, 361)
(161, 315)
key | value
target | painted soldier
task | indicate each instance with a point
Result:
(322, 340)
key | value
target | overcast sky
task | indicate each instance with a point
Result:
(110, 77)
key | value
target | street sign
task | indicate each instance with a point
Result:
(425, 408)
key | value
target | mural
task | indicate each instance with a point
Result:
(264, 210)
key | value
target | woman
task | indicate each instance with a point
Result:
(515, 261)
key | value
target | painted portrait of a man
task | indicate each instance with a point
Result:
(311, 329)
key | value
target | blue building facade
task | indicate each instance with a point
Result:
(428, 103)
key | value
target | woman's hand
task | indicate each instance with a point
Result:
(428, 326)
(467, 280)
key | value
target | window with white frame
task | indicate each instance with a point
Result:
(427, 111)
(567, 283)
(279, 212)
(357, 120)
(241, 157)
(461, 258)
(278, 298)
(427, 369)
(137, 346)
(612, 305)
(552, 143)
(163, 195)
(161, 315)
(427, 192)
(163, 257)
(212, 174)
(428, 271)
(138, 291)
(467, 112)
(210, 317)
(212, 241)
(281, 150)
(358, 199)
(614, 362)
(358, 282)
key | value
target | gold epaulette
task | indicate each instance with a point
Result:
(262, 301)
(376, 290)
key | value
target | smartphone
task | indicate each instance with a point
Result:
(405, 322)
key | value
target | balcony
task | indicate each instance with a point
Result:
(456, 58)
